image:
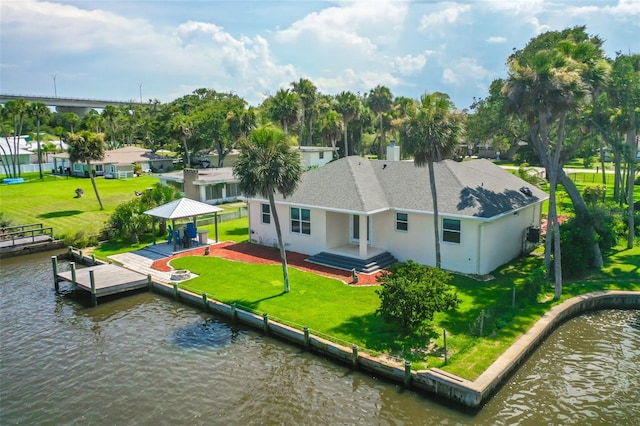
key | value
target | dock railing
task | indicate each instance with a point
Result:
(25, 234)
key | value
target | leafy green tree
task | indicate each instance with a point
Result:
(412, 293)
(40, 111)
(431, 134)
(110, 114)
(87, 147)
(183, 128)
(380, 101)
(266, 164)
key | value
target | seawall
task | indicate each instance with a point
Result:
(466, 393)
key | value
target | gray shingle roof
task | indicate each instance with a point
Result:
(354, 184)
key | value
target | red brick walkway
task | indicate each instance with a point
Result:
(254, 253)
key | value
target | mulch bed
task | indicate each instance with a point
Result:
(254, 253)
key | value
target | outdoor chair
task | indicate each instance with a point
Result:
(191, 232)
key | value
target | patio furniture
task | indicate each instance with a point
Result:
(191, 232)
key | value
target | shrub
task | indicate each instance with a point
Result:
(533, 284)
(81, 240)
(412, 293)
(594, 194)
(5, 221)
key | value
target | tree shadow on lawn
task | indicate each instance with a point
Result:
(379, 336)
(238, 231)
(254, 304)
(61, 213)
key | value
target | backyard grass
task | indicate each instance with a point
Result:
(51, 201)
(346, 314)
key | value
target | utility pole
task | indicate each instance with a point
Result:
(140, 87)
(55, 90)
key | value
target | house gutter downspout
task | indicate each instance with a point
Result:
(479, 249)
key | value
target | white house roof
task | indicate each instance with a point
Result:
(184, 207)
(358, 185)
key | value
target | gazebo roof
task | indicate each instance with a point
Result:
(182, 208)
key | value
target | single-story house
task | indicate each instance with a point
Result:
(9, 154)
(359, 209)
(117, 163)
(211, 186)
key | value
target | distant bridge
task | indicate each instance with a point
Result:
(78, 106)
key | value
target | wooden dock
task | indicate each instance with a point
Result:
(108, 279)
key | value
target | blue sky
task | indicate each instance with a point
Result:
(113, 49)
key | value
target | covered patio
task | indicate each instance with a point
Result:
(184, 208)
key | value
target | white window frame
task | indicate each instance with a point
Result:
(449, 231)
(265, 214)
(300, 221)
(404, 222)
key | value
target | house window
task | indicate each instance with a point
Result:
(266, 213)
(300, 221)
(451, 230)
(402, 222)
(233, 190)
(321, 155)
(214, 192)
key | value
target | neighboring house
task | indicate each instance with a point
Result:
(117, 163)
(360, 209)
(9, 156)
(315, 156)
(212, 186)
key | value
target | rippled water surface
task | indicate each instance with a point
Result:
(145, 359)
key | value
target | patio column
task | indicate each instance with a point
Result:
(364, 236)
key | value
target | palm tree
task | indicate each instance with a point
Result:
(267, 164)
(17, 110)
(40, 111)
(348, 105)
(553, 76)
(283, 108)
(331, 127)
(380, 100)
(431, 134)
(110, 113)
(307, 94)
(87, 147)
(183, 127)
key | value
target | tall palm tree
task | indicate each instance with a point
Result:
(267, 164)
(110, 113)
(284, 107)
(348, 105)
(87, 147)
(552, 77)
(17, 110)
(331, 127)
(40, 111)
(431, 135)
(380, 100)
(307, 93)
(183, 127)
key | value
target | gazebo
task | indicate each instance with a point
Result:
(181, 209)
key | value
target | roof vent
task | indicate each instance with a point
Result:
(526, 191)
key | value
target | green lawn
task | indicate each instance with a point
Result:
(347, 314)
(51, 201)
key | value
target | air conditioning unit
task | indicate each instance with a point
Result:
(533, 234)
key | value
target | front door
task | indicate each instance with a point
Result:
(355, 229)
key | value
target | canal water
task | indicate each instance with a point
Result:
(146, 359)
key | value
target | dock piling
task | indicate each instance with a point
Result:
(94, 297)
(54, 265)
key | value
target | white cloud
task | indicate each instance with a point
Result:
(358, 24)
(354, 81)
(496, 39)
(516, 7)
(626, 9)
(440, 19)
(410, 64)
(463, 71)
